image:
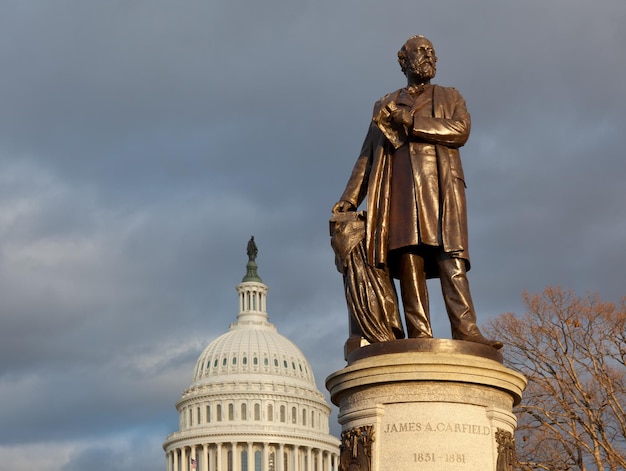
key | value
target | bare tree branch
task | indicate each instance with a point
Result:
(573, 352)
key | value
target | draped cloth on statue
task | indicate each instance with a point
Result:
(370, 293)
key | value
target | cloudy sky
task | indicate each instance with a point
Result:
(142, 142)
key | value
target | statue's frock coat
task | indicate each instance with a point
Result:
(416, 193)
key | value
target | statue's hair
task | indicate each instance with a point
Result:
(402, 51)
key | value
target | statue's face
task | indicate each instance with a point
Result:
(420, 58)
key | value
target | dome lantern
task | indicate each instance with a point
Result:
(252, 293)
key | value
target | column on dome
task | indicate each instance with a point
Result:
(296, 458)
(218, 451)
(205, 458)
(250, 457)
(309, 464)
(184, 459)
(264, 461)
(284, 458)
(211, 459)
(235, 456)
(279, 458)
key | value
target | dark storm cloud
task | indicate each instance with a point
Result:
(142, 143)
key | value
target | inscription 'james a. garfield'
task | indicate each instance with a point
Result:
(437, 427)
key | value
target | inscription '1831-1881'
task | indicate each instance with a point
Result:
(403, 427)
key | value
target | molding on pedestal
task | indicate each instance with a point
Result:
(430, 363)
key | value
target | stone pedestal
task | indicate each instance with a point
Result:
(427, 404)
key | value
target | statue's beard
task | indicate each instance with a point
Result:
(424, 71)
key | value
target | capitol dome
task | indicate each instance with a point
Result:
(252, 404)
(252, 348)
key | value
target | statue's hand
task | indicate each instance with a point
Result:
(402, 116)
(343, 206)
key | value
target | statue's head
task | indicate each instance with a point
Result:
(417, 58)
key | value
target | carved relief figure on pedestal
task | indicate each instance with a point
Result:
(355, 452)
(506, 450)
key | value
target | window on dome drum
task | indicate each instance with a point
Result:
(303, 416)
(190, 417)
(224, 361)
(244, 360)
(294, 415)
(198, 416)
(275, 362)
(244, 411)
(257, 412)
(218, 412)
(285, 363)
(215, 363)
(231, 412)
(270, 412)
(271, 461)
(255, 361)
(234, 360)
(266, 361)
(208, 414)
(282, 413)
(312, 419)
(293, 365)
(300, 367)
(244, 460)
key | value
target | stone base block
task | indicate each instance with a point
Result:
(427, 404)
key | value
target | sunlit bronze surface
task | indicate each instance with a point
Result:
(410, 170)
(425, 345)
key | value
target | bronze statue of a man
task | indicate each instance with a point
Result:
(410, 170)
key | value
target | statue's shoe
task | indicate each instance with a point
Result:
(482, 340)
